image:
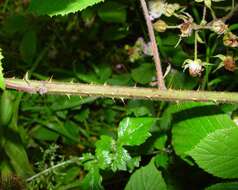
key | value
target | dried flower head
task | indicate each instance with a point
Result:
(228, 62)
(160, 26)
(195, 67)
(219, 27)
(230, 40)
(186, 28)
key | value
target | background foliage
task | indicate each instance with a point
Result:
(56, 142)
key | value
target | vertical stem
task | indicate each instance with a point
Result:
(160, 77)
(196, 46)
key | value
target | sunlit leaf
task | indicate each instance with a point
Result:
(218, 153)
(146, 178)
(134, 131)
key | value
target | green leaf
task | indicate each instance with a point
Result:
(134, 131)
(28, 46)
(92, 180)
(112, 12)
(194, 121)
(218, 153)
(44, 134)
(178, 80)
(224, 186)
(18, 158)
(146, 178)
(104, 147)
(143, 74)
(140, 108)
(2, 83)
(60, 7)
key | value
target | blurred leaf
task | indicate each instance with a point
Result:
(41, 133)
(134, 131)
(92, 180)
(224, 186)
(14, 24)
(162, 160)
(18, 158)
(122, 79)
(112, 12)
(115, 32)
(2, 83)
(217, 153)
(140, 108)
(143, 74)
(146, 178)
(179, 80)
(59, 7)
(61, 128)
(193, 121)
(28, 46)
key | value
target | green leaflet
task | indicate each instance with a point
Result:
(2, 84)
(146, 178)
(59, 7)
(218, 153)
(134, 131)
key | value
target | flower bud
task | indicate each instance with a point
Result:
(156, 8)
(230, 40)
(170, 9)
(160, 26)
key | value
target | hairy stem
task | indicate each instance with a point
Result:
(77, 89)
(155, 51)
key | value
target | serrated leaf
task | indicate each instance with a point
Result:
(218, 153)
(194, 121)
(146, 178)
(134, 131)
(2, 83)
(104, 148)
(60, 7)
(224, 186)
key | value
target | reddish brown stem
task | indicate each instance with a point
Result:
(160, 77)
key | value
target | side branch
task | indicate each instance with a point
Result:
(154, 47)
(77, 89)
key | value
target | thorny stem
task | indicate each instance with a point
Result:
(77, 89)
(160, 77)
